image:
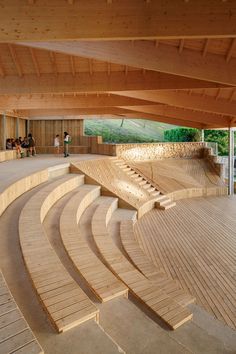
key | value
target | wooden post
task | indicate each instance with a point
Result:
(27, 127)
(3, 137)
(202, 135)
(17, 127)
(231, 161)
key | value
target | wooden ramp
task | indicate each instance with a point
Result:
(99, 278)
(173, 314)
(15, 334)
(65, 302)
(182, 178)
(147, 267)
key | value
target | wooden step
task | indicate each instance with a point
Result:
(151, 295)
(166, 205)
(15, 333)
(74, 306)
(99, 278)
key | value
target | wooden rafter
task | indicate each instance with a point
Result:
(2, 71)
(72, 65)
(230, 51)
(181, 45)
(35, 61)
(15, 60)
(54, 62)
(205, 47)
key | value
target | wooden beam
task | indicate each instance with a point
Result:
(231, 49)
(182, 99)
(145, 55)
(98, 82)
(205, 48)
(184, 114)
(15, 60)
(35, 61)
(95, 20)
(53, 62)
(56, 101)
(2, 71)
(181, 45)
(168, 120)
(33, 113)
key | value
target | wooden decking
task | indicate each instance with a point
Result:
(182, 178)
(64, 301)
(149, 293)
(196, 242)
(99, 278)
(15, 334)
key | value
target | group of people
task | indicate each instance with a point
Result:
(22, 145)
(66, 141)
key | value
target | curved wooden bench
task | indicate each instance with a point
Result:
(15, 333)
(99, 278)
(145, 265)
(149, 293)
(66, 304)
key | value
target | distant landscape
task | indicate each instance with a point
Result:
(127, 130)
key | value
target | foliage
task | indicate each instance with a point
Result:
(182, 135)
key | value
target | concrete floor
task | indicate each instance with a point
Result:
(124, 325)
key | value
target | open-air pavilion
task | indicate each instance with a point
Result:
(120, 248)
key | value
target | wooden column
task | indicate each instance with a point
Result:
(3, 129)
(231, 161)
(17, 127)
(27, 127)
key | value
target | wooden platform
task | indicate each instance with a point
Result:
(99, 278)
(182, 178)
(6, 155)
(173, 314)
(196, 243)
(147, 267)
(15, 334)
(66, 304)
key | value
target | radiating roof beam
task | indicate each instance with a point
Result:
(231, 49)
(205, 48)
(181, 45)
(72, 65)
(35, 61)
(15, 60)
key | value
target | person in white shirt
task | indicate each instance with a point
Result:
(57, 144)
(66, 144)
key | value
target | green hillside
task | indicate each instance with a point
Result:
(127, 131)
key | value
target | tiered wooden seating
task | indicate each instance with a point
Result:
(6, 155)
(101, 280)
(66, 304)
(15, 334)
(118, 182)
(145, 290)
(146, 266)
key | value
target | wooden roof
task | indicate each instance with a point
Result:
(168, 61)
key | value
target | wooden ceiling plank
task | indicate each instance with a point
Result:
(15, 59)
(159, 20)
(53, 62)
(181, 45)
(145, 55)
(2, 70)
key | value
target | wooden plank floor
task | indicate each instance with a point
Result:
(196, 244)
(15, 334)
(99, 278)
(64, 301)
(173, 314)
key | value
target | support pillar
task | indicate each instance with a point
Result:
(17, 127)
(27, 127)
(3, 137)
(202, 135)
(231, 162)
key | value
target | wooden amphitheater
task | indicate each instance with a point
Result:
(119, 248)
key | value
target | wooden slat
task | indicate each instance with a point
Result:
(35, 257)
(15, 333)
(135, 280)
(101, 280)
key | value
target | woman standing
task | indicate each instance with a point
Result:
(67, 141)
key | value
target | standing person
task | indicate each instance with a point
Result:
(67, 140)
(32, 150)
(57, 144)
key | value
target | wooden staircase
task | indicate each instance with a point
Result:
(162, 201)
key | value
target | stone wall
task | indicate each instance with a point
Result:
(159, 151)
